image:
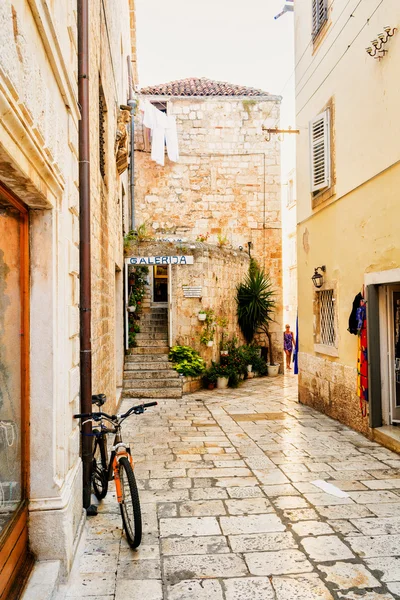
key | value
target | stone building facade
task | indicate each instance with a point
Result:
(347, 214)
(226, 185)
(41, 514)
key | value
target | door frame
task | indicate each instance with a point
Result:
(14, 551)
(393, 418)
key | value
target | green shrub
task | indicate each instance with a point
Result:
(187, 361)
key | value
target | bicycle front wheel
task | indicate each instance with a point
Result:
(130, 505)
(99, 474)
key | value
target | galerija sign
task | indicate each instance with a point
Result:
(159, 260)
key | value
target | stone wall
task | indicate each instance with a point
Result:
(108, 65)
(331, 387)
(227, 182)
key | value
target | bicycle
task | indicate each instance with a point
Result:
(119, 467)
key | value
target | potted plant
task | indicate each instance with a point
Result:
(222, 372)
(210, 378)
(202, 315)
(207, 337)
(222, 322)
(255, 308)
(187, 361)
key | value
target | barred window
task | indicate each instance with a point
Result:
(327, 317)
(319, 16)
(102, 131)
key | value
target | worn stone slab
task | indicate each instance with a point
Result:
(196, 566)
(244, 492)
(199, 508)
(139, 569)
(283, 502)
(382, 484)
(244, 588)
(195, 590)
(300, 587)
(138, 590)
(346, 511)
(248, 506)
(229, 482)
(381, 545)
(100, 584)
(208, 494)
(277, 563)
(214, 544)
(374, 497)
(189, 526)
(378, 526)
(220, 472)
(271, 477)
(251, 524)
(385, 510)
(326, 547)
(258, 542)
(300, 514)
(346, 575)
(366, 596)
(325, 499)
(388, 567)
(308, 528)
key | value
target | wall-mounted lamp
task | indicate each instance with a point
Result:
(377, 50)
(318, 278)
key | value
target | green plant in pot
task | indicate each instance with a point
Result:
(210, 378)
(187, 361)
(255, 309)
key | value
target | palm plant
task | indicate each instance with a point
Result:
(256, 306)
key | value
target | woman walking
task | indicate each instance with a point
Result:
(288, 345)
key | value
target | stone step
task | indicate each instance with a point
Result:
(148, 335)
(149, 350)
(148, 343)
(153, 394)
(146, 366)
(153, 328)
(150, 374)
(139, 359)
(152, 384)
(146, 322)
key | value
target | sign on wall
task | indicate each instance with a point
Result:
(160, 260)
(192, 291)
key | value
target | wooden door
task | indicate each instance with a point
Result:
(14, 395)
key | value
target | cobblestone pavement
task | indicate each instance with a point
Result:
(230, 511)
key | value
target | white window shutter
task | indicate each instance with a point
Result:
(320, 151)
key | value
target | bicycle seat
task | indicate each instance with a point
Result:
(99, 399)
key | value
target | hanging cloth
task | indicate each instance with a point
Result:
(296, 349)
(171, 137)
(352, 328)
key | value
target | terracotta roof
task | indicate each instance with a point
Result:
(195, 86)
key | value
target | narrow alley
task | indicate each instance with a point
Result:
(230, 511)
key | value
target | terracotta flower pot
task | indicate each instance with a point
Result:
(211, 386)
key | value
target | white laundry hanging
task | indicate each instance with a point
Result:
(164, 132)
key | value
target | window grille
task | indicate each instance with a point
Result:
(102, 133)
(327, 317)
(319, 16)
(320, 151)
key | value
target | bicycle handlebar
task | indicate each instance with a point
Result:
(139, 409)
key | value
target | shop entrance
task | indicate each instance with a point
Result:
(393, 310)
(14, 379)
(160, 284)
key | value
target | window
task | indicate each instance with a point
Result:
(102, 131)
(319, 16)
(327, 318)
(320, 159)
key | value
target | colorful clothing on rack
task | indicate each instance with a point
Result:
(362, 361)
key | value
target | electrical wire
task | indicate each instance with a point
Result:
(340, 58)
(336, 38)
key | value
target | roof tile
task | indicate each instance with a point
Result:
(200, 87)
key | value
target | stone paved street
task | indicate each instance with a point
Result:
(230, 511)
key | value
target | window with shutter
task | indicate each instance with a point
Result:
(320, 151)
(319, 16)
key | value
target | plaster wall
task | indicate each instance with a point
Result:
(354, 231)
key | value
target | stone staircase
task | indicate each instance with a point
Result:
(148, 374)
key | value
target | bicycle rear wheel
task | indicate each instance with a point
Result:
(130, 505)
(100, 474)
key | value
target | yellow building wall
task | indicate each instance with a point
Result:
(356, 230)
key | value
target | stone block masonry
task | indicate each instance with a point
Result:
(226, 184)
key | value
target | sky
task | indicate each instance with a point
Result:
(228, 40)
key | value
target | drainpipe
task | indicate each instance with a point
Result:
(85, 302)
(132, 103)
